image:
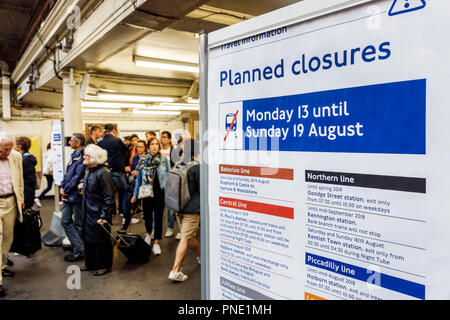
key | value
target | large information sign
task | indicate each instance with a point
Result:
(57, 145)
(330, 179)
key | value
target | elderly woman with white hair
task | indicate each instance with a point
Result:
(97, 206)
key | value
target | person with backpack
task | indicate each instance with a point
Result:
(152, 169)
(190, 212)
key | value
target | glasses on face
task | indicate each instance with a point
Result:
(5, 149)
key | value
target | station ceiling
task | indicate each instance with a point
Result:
(159, 29)
(17, 19)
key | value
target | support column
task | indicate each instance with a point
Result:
(73, 118)
(6, 97)
(73, 123)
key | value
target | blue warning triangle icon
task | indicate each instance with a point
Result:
(403, 6)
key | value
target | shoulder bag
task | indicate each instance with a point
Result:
(147, 190)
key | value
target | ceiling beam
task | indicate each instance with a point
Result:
(196, 25)
(142, 80)
(160, 14)
(16, 7)
(31, 27)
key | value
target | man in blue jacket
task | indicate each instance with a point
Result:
(71, 198)
(118, 160)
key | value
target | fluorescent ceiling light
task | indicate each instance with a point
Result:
(175, 106)
(196, 101)
(165, 64)
(133, 97)
(157, 112)
(115, 105)
(101, 110)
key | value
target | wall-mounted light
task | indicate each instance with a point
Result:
(132, 97)
(165, 64)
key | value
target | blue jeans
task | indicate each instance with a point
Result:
(170, 218)
(121, 184)
(49, 186)
(72, 226)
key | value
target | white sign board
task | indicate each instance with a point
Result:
(329, 178)
(57, 144)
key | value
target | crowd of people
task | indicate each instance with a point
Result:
(100, 168)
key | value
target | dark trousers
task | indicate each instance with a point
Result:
(49, 178)
(124, 197)
(98, 255)
(155, 204)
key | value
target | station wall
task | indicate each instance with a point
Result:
(42, 129)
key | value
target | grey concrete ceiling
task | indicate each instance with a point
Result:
(159, 29)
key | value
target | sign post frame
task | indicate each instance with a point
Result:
(204, 187)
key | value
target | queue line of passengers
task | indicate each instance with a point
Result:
(94, 174)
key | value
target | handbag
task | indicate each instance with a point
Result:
(147, 190)
(27, 234)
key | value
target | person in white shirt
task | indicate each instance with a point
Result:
(166, 150)
(48, 173)
(11, 199)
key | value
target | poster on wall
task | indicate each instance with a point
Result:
(329, 178)
(35, 150)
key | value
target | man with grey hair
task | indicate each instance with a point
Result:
(71, 212)
(11, 198)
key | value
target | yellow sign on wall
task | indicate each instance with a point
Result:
(36, 151)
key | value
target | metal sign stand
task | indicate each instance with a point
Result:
(204, 207)
(56, 234)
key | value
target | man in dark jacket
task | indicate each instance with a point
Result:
(72, 199)
(117, 161)
(96, 135)
(23, 145)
